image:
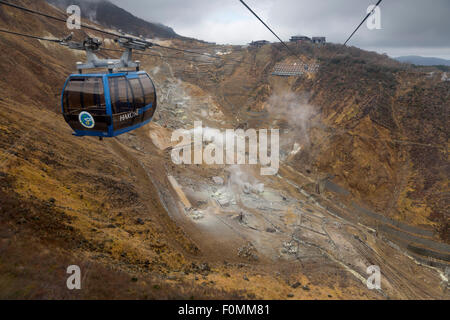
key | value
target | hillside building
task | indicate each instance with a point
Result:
(319, 40)
(300, 39)
(305, 39)
(259, 43)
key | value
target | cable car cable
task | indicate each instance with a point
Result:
(253, 12)
(31, 11)
(55, 18)
(29, 36)
(187, 51)
(153, 55)
(198, 53)
(104, 49)
(364, 20)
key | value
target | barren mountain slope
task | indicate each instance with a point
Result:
(72, 201)
(112, 16)
(379, 128)
(142, 227)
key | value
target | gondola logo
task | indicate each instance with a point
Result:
(87, 120)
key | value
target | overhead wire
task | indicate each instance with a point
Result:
(198, 53)
(364, 20)
(153, 55)
(270, 29)
(103, 49)
(285, 45)
(29, 36)
(64, 20)
(85, 26)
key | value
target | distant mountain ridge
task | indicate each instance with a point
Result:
(423, 61)
(110, 15)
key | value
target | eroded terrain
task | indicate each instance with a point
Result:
(355, 187)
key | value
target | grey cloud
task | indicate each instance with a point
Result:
(405, 23)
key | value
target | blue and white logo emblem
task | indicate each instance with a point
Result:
(87, 120)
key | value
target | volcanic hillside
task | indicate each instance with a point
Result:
(363, 178)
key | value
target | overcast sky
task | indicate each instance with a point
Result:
(409, 27)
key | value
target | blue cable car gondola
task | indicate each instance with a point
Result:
(108, 104)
